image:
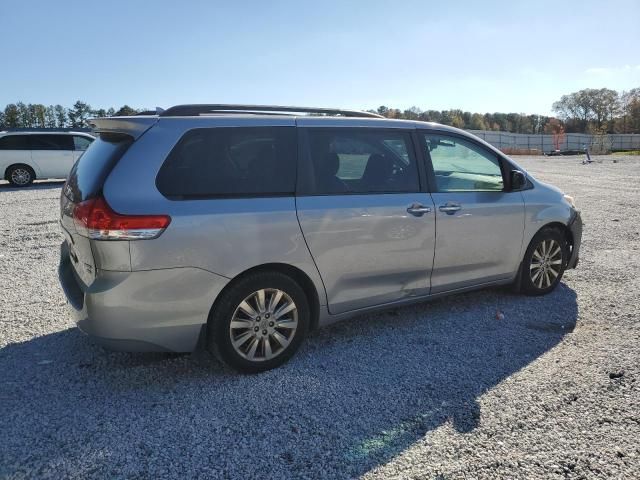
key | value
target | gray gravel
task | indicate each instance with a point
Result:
(438, 390)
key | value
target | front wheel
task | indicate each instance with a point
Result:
(544, 262)
(259, 322)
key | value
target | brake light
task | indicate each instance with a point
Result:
(96, 220)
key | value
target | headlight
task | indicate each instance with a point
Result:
(570, 200)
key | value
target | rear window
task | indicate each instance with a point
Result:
(14, 142)
(51, 142)
(230, 162)
(90, 171)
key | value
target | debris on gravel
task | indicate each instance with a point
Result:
(436, 390)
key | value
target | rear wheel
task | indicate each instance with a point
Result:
(544, 262)
(259, 322)
(21, 175)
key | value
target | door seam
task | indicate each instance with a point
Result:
(435, 241)
(304, 239)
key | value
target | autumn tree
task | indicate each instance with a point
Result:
(554, 127)
(477, 122)
(629, 105)
(587, 108)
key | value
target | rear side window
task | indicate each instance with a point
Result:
(350, 160)
(14, 142)
(231, 162)
(90, 171)
(51, 142)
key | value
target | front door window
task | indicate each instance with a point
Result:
(461, 166)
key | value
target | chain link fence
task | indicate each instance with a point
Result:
(542, 144)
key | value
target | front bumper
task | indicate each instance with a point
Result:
(147, 311)
(575, 226)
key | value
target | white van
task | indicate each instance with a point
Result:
(25, 156)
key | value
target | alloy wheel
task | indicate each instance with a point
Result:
(263, 324)
(546, 263)
(20, 176)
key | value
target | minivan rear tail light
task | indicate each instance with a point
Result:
(95, 219)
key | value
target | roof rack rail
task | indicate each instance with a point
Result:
(221, 109)
(157, 111)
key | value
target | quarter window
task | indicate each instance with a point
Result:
(231, 162)
(349, 160)
(462, 166)
(81, 143)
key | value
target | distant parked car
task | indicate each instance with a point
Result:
(26, 156)
(241, 228)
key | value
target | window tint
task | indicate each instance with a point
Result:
(81, 143)
(462, 166)
(51, 142)
(14, 142)
(349, 160)
(231, 162)
(90, 171)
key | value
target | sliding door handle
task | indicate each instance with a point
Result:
(418, 209)
(449, 208)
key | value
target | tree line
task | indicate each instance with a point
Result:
(586, 111)
(504, 122)
(37, 115)
(600, 111)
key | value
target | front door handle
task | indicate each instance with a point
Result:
(418, 209)
(449, 208)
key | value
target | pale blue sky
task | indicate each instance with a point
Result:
(482, 56)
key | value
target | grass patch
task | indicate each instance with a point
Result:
(628, 152)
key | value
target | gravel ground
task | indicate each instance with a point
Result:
(438, 390)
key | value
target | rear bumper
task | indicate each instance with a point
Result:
(147, 311)
(575, 225)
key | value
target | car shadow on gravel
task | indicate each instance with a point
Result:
(38, 185)
(356, 395)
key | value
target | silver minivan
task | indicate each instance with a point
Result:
(241, 228)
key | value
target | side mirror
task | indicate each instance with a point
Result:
(518, 179)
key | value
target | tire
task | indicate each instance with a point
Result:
(544, 262)
(20, 175)
(262, 340)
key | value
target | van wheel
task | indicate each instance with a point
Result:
(544, 262)
(259, 322)
(20, 176)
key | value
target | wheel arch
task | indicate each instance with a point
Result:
(562, 228)
(522, 285)
(298, 275)
(18, 164)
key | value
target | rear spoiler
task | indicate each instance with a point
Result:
(132, 126)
